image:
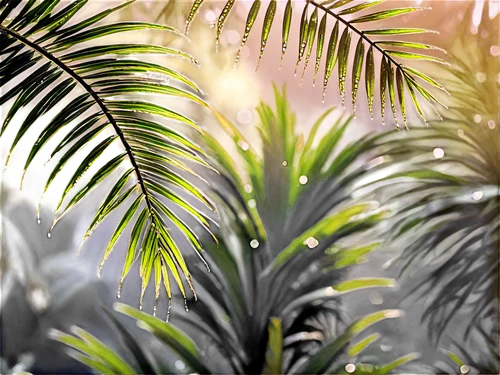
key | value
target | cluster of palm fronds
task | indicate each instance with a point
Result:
(348, 15)
(45, 59)
(272, 232)
(272, 301)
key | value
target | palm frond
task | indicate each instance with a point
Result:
(46, 59)
(445, 181)
(467, 174)
(349, 19)
(98, 355)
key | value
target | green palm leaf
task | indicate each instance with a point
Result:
(44, 55)
(347, 17)
(95, 350)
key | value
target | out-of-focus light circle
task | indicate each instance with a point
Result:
(303, 180)
(245, 51)
(244, 116)
(210, 16)
(484, 34)
(481, 77)
(252, 203)
(349, 368)
(464, 369)
(254, 244)
(284, 163)
(477, 119)
(179, 365)
(477, 195)
(491, 124)
(233, 36)
(495, 50)
(376, 298)
(460, 133)
(438, 153)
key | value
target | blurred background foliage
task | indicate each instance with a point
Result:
(413, 214)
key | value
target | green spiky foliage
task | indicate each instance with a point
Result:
(444, 238)
(331, 28)
(272, 302)
(52, 63)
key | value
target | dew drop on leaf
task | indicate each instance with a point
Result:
(350, 368)
(254, 244)
(303, 180)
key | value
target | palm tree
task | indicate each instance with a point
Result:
(447, 188)
(272, 300)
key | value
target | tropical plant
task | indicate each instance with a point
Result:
(229, 89)
(394, 75)
(46, 60)
(272, 301)
(446, 180)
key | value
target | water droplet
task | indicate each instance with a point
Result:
(481, 77)
(438, 153)
(477, 119)
(38, 220)
(186, 305)
(495, 50)
(169, 307)
(141, 299)
(254, 244)
(248, 188)
(179, 365)
(376, 298)
(311, 242)
(460, 132)
(477, 195)
(284, 163)
(49, 235)
(464, 369)
(349, 368)
(252, 203)
(119, 291)
(330, 291)
(243, 145)
(303, 180)
(491, 124)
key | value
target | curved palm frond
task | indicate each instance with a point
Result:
(395, 77)
(446, 181)
(467, 170)
(95, 354)
(46, 60)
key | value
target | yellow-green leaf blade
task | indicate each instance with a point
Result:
(370, 79)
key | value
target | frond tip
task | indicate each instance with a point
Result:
(153, 164)
(349, 23)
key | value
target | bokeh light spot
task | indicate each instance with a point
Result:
(244, 116)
